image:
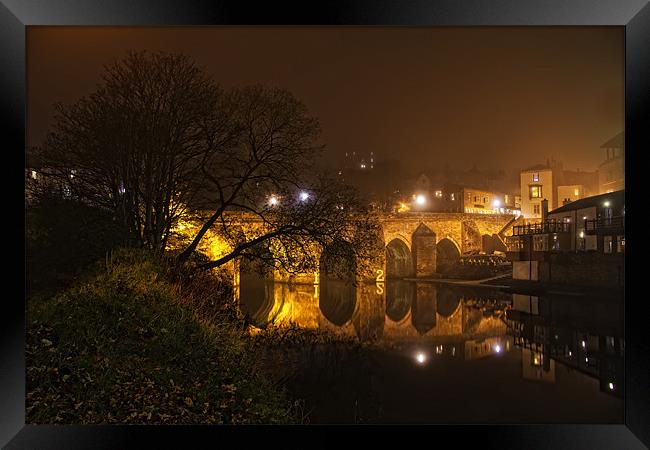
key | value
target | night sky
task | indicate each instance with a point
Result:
(497, 97)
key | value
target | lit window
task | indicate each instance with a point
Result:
(576, 192)
(536, 209)
(33, 174)
(438, 194)
(620, 244)
(452, 197)
(535, 177)
(535, 191)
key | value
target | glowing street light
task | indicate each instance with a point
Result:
(611, 386)
(497, 348)
(420, 358)
(273, 200)
(496, 203)
(606, 204)
(420, 200)
(303, 196)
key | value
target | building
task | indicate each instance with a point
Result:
(611, 172)
(458, 199)
(553, 183)
(478, 201)
(548, 331)
(358, 160)
(582, 243)
(570, 193)
(537, 183)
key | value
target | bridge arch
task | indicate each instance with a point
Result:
(399, 298)
(447, 254)
(399, 261)
(448, 302)
(337, 301)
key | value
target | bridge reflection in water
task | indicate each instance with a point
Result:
(395, 310)
(558, 354)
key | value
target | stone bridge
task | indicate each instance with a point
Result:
(422, 244)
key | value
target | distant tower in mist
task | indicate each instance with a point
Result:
(359, 160)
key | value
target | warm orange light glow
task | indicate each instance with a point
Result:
(403, 207)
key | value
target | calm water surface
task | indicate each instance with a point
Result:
(444, 354)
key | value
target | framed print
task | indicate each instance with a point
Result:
(284, 216)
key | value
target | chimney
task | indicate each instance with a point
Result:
(544, 209)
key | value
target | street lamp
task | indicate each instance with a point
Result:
(303, 196)
(421, 200)
(273, 200)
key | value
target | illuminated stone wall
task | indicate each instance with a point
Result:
(465, 231)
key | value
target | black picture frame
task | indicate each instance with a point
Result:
(16, 15)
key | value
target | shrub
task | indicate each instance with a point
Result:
(120, 347)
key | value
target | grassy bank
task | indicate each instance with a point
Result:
(122, 346)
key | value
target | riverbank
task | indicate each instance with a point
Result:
(124, 346)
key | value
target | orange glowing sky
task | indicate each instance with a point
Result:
(498, 97)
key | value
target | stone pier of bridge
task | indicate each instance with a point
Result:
(421, 245)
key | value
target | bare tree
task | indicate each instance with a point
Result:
(159, 140)
(135, 145)
(268, 176)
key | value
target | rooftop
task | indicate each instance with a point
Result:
(617, 198)
(617, 141)
(537, 167)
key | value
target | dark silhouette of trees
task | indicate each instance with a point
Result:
(133, 146)
(159, 141)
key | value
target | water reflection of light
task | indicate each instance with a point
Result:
(420, 358)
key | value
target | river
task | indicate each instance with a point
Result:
(446, 354)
